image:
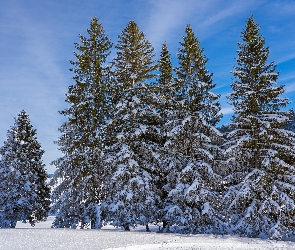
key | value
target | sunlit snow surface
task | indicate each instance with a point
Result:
(43, 237)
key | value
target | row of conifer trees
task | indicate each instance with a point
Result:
(140, 143)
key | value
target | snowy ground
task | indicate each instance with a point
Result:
(42, 237)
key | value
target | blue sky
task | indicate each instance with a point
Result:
(37, 42)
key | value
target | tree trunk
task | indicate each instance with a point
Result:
(165, 226)
(256, 149)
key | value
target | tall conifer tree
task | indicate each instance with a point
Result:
(166, 173)
(192, 137)
(79, 194)
(261, 154)
(24, 194)
(132, 132)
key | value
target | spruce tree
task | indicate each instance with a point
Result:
(193, 139)
(24, 194)
(78, 195)
(134, 62)
(166, 172)
(261, 180)
(132, 148)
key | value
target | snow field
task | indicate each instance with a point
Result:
(42, 237)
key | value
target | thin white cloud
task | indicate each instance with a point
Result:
(285, 58)
(284, 8)
(205, 16)
(34, 81)
(286, 77)
(290, 87)
(166, 16)
(34, 71)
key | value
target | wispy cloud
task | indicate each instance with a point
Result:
(290, 87)
(289, 82)
(33, 80)
(284, 8)
(285, 58)
(168, 15)
(205, 16)
(37, 42)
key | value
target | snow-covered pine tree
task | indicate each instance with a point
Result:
(260, 197)
(133, 134)
(24, 194)
(168, 164)
(80, 171)
(193, 139)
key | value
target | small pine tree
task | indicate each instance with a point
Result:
(24, 194)
(132, 133)
(80, 170)
(192, 137)
(261, 180)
